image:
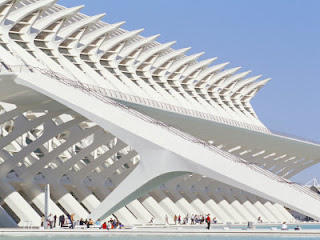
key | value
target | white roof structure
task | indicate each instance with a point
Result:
(120, 124)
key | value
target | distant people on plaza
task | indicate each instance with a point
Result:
(120, 225)
(201, 219)
(89, 223)
(72, 219)
(259, 220)
(208, 220)
(151, 220)
(192, 219)
(109, 225)
(69, 221)
(61, 220)
(98, 222)
(297, 228)
(54, 221)
(50, 220)
(284, 226)
(166, 218)
(42, 220)
(112, 223)
(104, 225)
(82, 222)
(214, 220)
(186, 219)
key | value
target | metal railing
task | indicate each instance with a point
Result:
(173, 108)
(87, 89)
(145, 101)
(156, 104)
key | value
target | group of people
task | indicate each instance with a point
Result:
(111, 224)
(285, 227)
(194, 219)
(67, 221)
(51, 221)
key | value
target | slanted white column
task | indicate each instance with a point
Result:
(249, 207)
(181, 203)
(18, 205)
(227, 207)
(197, 204)
(67, 201)
(86, 198)
(155, 209)
(287, 216)
(273, 210)
(187, 189)
(266, 215)
(140, 212)
(36, 195)
(247, 216)
(217, 211)
(53, 208)
(166, 203)
(123, 214)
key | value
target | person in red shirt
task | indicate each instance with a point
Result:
(104, 225)
(208, 220)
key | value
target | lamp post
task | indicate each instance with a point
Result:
(46, 205)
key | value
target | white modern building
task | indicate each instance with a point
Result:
(119, 124)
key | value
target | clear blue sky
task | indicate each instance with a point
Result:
(276, 38)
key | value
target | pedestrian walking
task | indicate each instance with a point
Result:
(208, 220)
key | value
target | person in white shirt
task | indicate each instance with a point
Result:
(50, 220)
(284, 226)
(166, 219)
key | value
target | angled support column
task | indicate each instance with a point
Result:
(138, 183)
(246, 215)
(227, 207)
(5, 220)
(287, 216)
(155, 209)
(218, 212)
(266, 215)
(18, 204)
(181, 203)
(166, 203)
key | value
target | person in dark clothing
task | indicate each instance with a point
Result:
(54, 220)
(82, 222)
(61, 220)
(208, 220)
